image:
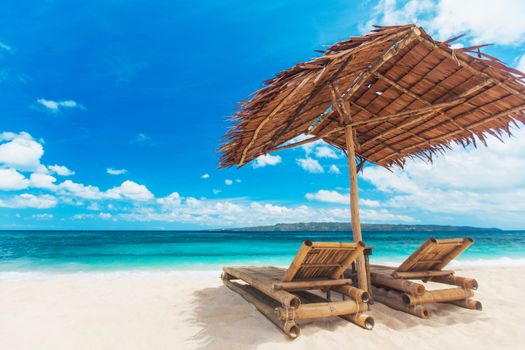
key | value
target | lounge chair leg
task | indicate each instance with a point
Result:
(256, 298)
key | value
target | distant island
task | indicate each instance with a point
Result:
(346, 226)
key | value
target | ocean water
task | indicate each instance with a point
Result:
(85, 251)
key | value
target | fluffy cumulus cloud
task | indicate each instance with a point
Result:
(57, 106)
(240, 212)
(44, 181)
(328, 196)
(334, 169)
(21, 168)
(10, 179)
(325, 152)
(20, 151)
(228, 182)
(487, 184)
(483, 22)
(266, 159)
(130, 190)
(27, 200)
(205, 176)
(112, 171)
(311, 165)
(331, 196)
(60, 170)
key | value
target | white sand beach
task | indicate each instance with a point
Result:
(186, 310)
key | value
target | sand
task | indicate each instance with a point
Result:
(193, 310)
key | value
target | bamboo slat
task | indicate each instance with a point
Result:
(321, 310)
(437, 296)
(385, 280)
(360, 247)
(393, 300)
(357, 294)
(421, 274)
(454, 253)
(414, 257)
(297, 261)
(459, 281)
(302, 285)
(468, 304)
(263, 285)
(361, 319)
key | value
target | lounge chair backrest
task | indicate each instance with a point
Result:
(434, 254)
(322, 260)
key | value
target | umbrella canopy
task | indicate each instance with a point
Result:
(384, 97)
(405, 94)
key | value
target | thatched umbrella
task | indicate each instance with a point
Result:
(389, 95)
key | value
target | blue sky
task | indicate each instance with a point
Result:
(112, 113)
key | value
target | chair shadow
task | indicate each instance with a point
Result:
(441, 315)
(228, 321)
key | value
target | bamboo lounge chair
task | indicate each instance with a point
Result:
(392, 286)
(284, 297)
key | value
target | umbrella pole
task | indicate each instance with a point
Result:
(362, 276)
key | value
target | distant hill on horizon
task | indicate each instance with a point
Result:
(346, 226)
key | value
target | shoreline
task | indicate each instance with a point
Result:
(214, 269)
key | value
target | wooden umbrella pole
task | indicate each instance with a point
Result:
(362, 276)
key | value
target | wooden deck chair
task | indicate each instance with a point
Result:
(284, 295)
(392, 286)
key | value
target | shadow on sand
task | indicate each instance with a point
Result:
(226, 320)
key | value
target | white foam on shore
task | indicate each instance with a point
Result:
(215, 271)
(468, 264)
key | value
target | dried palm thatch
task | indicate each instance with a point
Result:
(404, 94)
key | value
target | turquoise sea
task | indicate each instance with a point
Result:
(84, 251)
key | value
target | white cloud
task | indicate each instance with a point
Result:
(57, 106)
(93, 206)
(334, 169)
(205, 176)
(393, 12)
(238, 181)
(481, 185)
(216, 191)
(60, 170)
(228, 182)
(239, 212)
(486, 22)
(105, 215)
(112, 171)
(328, 196)
(80, 190)
(130, 190)
(45, 181)
(325, 152)
(20, 151)
(10, 179)
(369, 203)
(266, 159)
(483, 22)
(173, 200)
(27, 200)
(5, 47)
(521, 64)
(82, 216)
(310, 165)
(142, 138)
(44, 216)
